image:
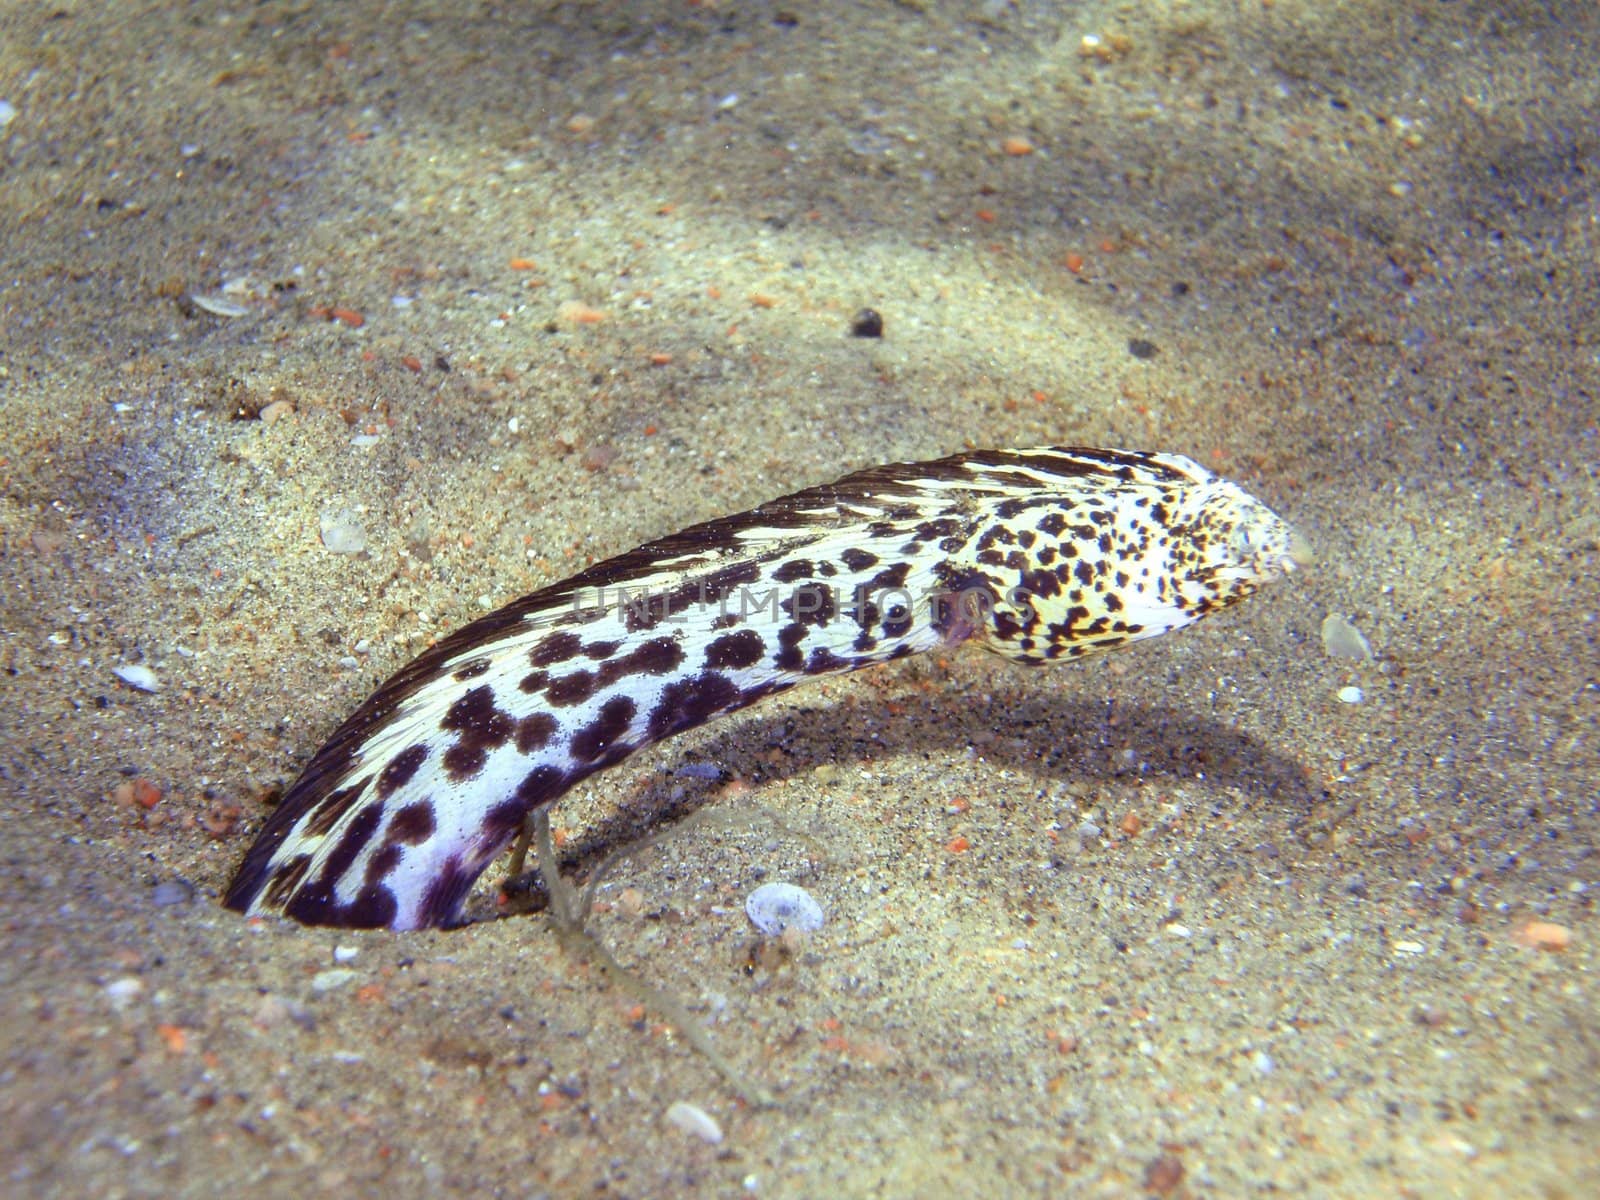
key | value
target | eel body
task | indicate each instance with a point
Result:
(1039, 555)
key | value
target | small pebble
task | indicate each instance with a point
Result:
(8, 113)
(774, 908)
(331, 979)
(867, 323)
(274, 1010)
(344, 954)
(1545, 935)
(170, 892)
(1341, 639)
(219, 307)
(1142, 348)
(139, 678)
(693, 1119)
(123, 992)
(576, 312)
(699, 770)
(342, 532)
(1351, 695)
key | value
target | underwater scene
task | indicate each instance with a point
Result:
(697, 599)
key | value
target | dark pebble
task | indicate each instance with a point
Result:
(1140, 348)
(866, 323)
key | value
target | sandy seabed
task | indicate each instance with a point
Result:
(494, 290)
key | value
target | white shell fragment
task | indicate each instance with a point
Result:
(123, 992)
(342, 531)
(693, 1119)
(1341, 639)
(218, 307)
(776, 907)
(331, 979)
(139, 678)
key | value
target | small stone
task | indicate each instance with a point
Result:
(140, 678)
(123, 992)
(219, 306)
(867, 323)
(170, 892)
(1142, 348)
(1341, 639)
(344, 954)
(576, 312)
(696, 1121)
(273, 1010)
(1163, 1175)
(774, 908)
(331, 979)
(342, 531)
(1351, 694)
(1545, 935)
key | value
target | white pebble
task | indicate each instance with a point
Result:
(1341, 639)
(8, 113)
(342, 532)
(217, 306)
(693, 1119)
(331, 979)
(123, 992)
(1351, 695)
(344, 954)
(774, 908)
(141, 679)
(170, 892)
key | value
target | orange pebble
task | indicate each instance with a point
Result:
(1545, 935)
(1017, 146)
(578, 313)
(957, 845)
(349, 316)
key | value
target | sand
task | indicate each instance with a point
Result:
(478, 294)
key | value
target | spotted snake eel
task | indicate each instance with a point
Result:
(1038, 555)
